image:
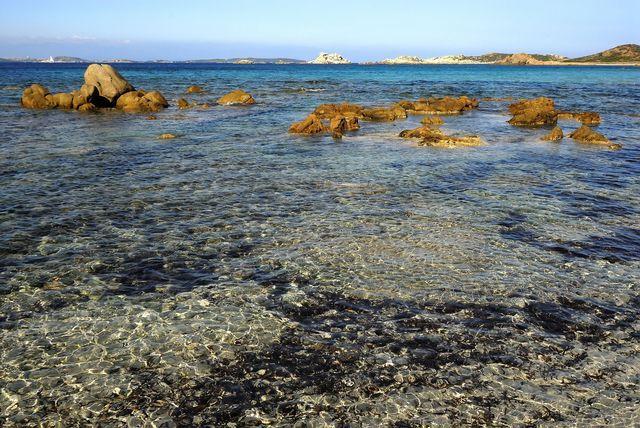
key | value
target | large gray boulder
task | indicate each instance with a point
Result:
(109, 82)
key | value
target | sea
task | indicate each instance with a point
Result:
(239, 275)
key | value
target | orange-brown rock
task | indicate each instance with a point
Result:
(63, 100)
(327, 111)
(237, 97)
(586, 118)
(449, 141)
(166, 137)
(194, 89)
(141, 102)
(446, 105)
(183, 104)
(555, 135)
(311, 125)
(586, 135)
(537, 112)
(384, 114)
(421, 132)
(109, 82)
(432, 120)
(37, 97)
(87, 107)
(86, 94)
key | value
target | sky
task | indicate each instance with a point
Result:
(358, 29)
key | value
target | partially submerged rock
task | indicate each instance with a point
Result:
(555, 135)
(586, 135)
(37, 97)
(384, 114)
(445, 105)
(237, 97)
(431, 137)
(194, 89)
(310, 125)
(104, 87)
(141, 102)
(586, 117)
(166, 137)
(421, 132)
(109, 82)
(183, 104)
(450, 141)
(432, 121)
(537, 112)
(327, 111)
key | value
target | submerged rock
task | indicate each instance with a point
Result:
(537, 112)
(311, 125)
(586, 135)
(555, 135)
(109, 82)
(141, 101)
(586, 118)
(449, 141)
(37, 97)
(237, 97)
(194, 89)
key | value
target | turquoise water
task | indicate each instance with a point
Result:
(242, 275)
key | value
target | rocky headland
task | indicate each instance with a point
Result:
(329, 58)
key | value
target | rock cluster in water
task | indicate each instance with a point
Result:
(104, 87)
(340, 118)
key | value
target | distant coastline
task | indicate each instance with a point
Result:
(623, 55)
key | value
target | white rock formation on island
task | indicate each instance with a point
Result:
(330, 58)
(404, 59)
(450, 59)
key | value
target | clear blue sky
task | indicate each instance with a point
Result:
(359, 29)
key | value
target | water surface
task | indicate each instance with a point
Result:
(238, 274)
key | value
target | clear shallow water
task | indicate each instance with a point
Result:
(238, 274)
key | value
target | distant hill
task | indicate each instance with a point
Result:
(68, 59)
(248, 60)
(489, 58)
(622, 53)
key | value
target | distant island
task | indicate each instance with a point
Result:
(628, 54)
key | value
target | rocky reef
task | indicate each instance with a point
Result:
(104, 87)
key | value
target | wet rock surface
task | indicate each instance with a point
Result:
(537, 112)
(586, 135)
(556, 134)
(237, 97)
